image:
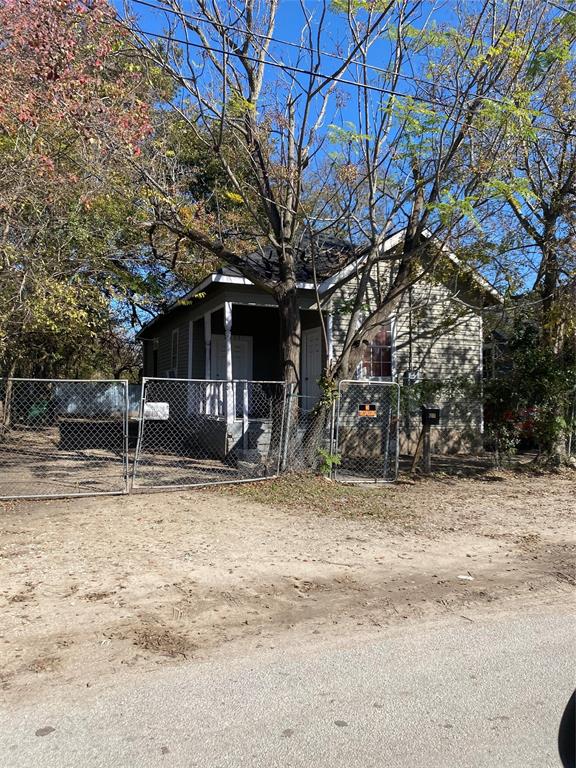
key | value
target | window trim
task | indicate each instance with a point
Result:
(390, 323)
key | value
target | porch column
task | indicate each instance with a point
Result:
(189, 386)
(190, 346)
(229, 373)
(228, 335)
(207, 343)
(208, 360)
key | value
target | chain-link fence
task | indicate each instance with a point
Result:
(366, 435)
(308, 435)
(204, 432)
(63, 438)
(72, 437)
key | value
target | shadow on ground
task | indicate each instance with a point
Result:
(467, 465)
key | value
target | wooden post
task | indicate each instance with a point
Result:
(7, 406)
(207, 344)
(426, 452)
(190, 346)
(330, 338)
(190, 395)
(208, 359)
(417, 452)
(430, 417)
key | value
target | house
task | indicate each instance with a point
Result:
(227, 329)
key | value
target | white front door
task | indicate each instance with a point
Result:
(241, 369)
(311, 367)
(241, 357)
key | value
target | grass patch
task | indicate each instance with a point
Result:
(317, 494)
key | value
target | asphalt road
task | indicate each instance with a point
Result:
(488, 693)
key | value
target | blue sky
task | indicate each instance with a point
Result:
(289, 25)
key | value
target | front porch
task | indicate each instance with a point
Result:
(236, 365)
(221, 355)
(237, 342)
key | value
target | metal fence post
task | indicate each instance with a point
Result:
(140, 432)
(126, 439)
(288, 395)
(245, 415)
(333, 447)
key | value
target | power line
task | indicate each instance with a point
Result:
(282, 66)
(287, 43)
(560, 7)
(279, 64)
(328, 78)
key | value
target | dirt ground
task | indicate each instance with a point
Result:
(91, 587)
(33, 462)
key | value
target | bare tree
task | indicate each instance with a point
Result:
(409, 161)
(327, 141)
(265, 120)
(378, 121)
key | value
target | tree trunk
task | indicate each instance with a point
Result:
(553, 446)
(286, 296)
(7, 404)
(287, 417)
(313, 440)
(549, 290)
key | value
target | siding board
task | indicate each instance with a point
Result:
(440, 338)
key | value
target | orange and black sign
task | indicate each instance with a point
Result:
(367, 411)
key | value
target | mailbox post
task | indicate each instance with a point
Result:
(430, 418)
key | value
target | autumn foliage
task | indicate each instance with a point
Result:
(75, 108)
(64, 64)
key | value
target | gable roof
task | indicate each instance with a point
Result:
(330, 255)
(335, 261)
(391, 242)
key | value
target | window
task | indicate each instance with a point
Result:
(377, 355)
(496, 359)
(174, 351)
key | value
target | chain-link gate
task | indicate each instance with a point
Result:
(199, 432)
(63, 438)
(308, 434)
(366, 435)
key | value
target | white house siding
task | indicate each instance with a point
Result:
(440, 338)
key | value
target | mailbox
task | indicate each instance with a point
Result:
(430, 416)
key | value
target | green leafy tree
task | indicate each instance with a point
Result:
(532, 195)
(74, 108)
